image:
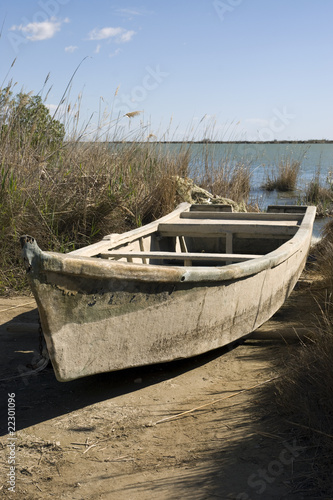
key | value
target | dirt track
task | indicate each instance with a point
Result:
(98, 438)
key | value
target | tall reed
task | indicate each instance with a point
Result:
(226, 177)
(319, 194)
(69, 183)
(87, 191)
(285, 177)
(68, 193)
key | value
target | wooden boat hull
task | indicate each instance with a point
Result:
(99, 318)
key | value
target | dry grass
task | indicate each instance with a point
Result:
(303, 397)
(304, 392)
(285, 179)
(68, 194)
(87, 191)
(316, 193)
(323, 252)
(226, 177)
(319, 194)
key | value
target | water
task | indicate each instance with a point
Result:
(263, 159)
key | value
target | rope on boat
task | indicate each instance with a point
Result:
(42, 363)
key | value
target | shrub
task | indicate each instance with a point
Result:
(26, 122)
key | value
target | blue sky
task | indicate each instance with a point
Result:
(224, 69)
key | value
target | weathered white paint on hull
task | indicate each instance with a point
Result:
(187, 323)
(99, 320)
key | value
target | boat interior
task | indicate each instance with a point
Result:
(208, 235)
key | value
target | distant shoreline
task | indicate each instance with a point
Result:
(312, 141)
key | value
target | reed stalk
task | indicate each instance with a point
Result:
(285, 177)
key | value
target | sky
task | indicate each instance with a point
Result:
(218, 69)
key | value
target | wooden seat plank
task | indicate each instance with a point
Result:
(284, 209)
(246, 216)
(211, 208)
(207, 227)
(178, 256)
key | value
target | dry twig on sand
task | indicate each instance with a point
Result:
(187, 412)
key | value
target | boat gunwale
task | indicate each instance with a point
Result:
(94, 267)
(139, 232)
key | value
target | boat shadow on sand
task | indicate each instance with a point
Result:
(221, 451)
(41, 397)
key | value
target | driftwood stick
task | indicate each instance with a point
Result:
(89, 447)
(93, 444)
(123, 458)
(309, 428)
(215, 401)
(20, 305)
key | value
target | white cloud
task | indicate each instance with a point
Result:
(71, 48)
(121, 35)
(126, 36)
(115, 53)
(130, 12)
(104, 33)
(61, 109)
(98, 48)
(44, 30)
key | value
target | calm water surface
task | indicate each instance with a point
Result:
(263, 159)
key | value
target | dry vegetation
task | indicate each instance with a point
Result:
(82, 193)
(228, 177)
(319, 194)
(68, 192)
(303, 392)
(285, 177)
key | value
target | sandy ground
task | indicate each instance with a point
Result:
(104, 437)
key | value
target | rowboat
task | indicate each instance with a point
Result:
(195, 280)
